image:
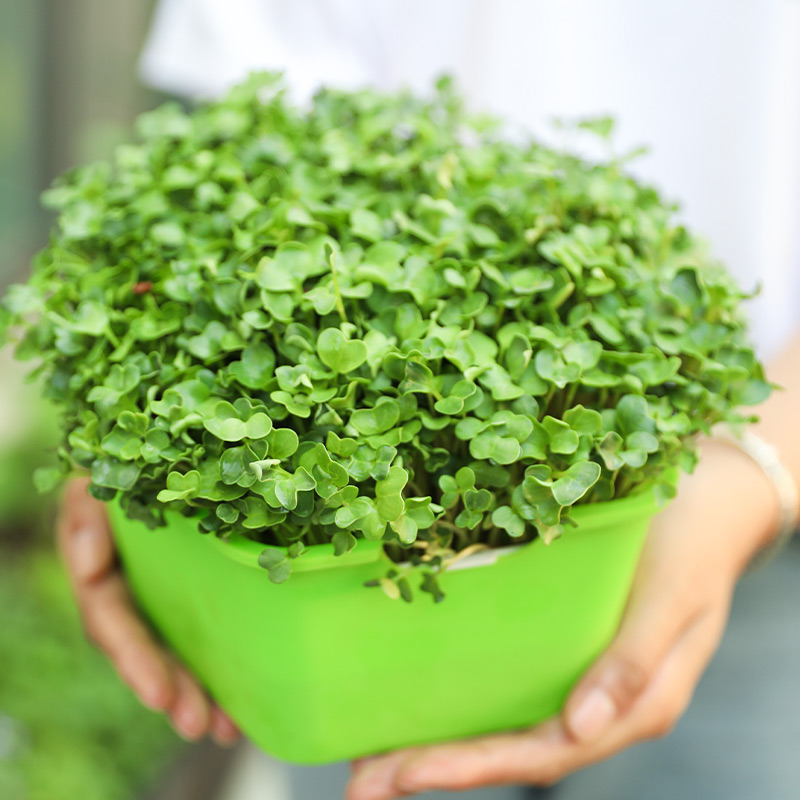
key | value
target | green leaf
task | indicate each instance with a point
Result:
(530, 280)
(503, 450)
(537, 486)
(449, 405)
(389, 494)
(180, 486)
(551, 366)
(296, 549)
(350, 513)
(113, 474)
(338, 353)
(642, 440)
(372, 421)
(507, 423)
(272, 277)
(477, 500)
(286, 493)
(22, 300)
(277, 563)
(366, 224)
(343, 543)
(371, 525)
(256, 366)
(606, 330)
(499, 383)
(418, 378)
(504, 517)
(168, 234)
(242, 206)
(431, 585)
(406, 528)
(390, 588)
(283, 442)
(575, 482)
(600, 126)
(584, 354)
(122, 444)
(609, 449)
(633, 415)
(752, 392)
(133, 423)
(45, 479)
(257, 426)
(422, 511)
(228, 513)
(226, 424)
(584, 421)
(90, 318)
(561, 438)
(233, 464)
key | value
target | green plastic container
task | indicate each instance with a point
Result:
(321, 669)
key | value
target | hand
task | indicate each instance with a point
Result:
(112, 623)
(639, 688)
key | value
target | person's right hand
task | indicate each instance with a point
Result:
(112, 623)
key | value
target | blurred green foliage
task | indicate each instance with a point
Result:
(25, 516)
(69, 728)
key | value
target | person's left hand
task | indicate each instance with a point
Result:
(639, 688)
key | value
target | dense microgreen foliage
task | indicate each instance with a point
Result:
(373, 319)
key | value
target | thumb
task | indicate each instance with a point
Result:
(654, 621)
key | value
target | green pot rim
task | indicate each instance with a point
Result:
(320, 556)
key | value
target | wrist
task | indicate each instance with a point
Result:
(735, 492)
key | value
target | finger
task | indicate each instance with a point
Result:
(549, 752)
(612, 686)
(103, 599)
(662, 704)
(454, 766)
(83, 534)
(374, 777)
(190, 712)
(223, 729)
(113, 625)
(664, 602)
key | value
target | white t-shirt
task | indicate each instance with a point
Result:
(711, 86)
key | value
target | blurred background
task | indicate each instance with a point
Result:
(69, 91)
(68, 727)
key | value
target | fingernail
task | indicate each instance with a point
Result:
(187, 734)
(152, 697)
(417, 780)
(83, 553)
(372, 782)
(592, 716)
(226, 739)
(187, 726)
